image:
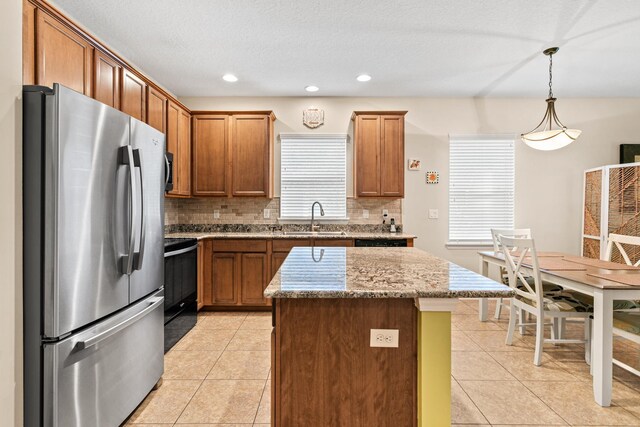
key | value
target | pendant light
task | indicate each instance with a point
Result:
(550, 134)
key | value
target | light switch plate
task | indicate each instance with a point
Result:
(433, 213)
(365, 213)
(266, 213)
(384, 337)
(216, 214)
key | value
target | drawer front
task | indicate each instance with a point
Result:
(97, 377)
(285, 245)
(239, 245)
(333, 242)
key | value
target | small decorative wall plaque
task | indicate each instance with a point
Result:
(313, 117)
(414, 164)
(433, 177)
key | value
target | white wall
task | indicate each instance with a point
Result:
(10, 213)
(548, 184)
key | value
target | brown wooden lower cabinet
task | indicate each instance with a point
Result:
(224, 274)
(200, 286)
(277, 258)
(253, 278)
(333, 242)
(324, 372)
(233, 273)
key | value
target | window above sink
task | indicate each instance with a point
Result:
(313, 168)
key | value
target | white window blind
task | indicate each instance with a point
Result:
(481, 186)
(313, 168)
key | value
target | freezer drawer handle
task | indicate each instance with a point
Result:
(156, 301)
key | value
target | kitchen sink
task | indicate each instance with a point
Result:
(314, 233)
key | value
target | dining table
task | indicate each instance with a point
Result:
(605, 281)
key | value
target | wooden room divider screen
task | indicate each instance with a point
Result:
(611, 205)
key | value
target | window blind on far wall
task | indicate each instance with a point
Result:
(313, 168)
(481, 186)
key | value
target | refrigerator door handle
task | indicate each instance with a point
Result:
(138, 257)
(82, 345)
(167, 171)
(127, 158)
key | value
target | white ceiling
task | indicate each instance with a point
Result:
(410, 47)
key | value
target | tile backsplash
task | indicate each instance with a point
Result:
(250, 210)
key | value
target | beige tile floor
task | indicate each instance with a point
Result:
(219, 375)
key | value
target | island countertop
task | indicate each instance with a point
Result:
(365, 272)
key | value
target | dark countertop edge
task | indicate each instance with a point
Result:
(249, 235)
(388, 294)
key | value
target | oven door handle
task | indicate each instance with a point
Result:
(180, 251)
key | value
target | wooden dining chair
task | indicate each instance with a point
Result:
(531, 298)
(618, 240)
(626, 315)
(515, 232)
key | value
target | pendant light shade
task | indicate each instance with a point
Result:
(550, 134)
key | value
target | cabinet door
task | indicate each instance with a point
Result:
(367, 155)
(277, 258)
(210, 155)
(133, 95)
(28, 43)
(106, 79)
(224, 273)
(62, 55)
(173, 119)
(333, 242)
(251, 155)
(392, 156)
(253, 279)
(156, 109)
(184, 153)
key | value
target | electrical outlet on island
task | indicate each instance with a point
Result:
(384, 337)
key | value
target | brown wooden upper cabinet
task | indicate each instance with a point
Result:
(378, 160)
(28, 43)
(62, 55)
(106, 79)
(156, 109)
(233, 154)
(133, 95)
(179, 144)
(210, 155)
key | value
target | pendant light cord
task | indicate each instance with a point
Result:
(550, 75)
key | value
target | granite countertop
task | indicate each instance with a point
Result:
(280, 235)
(377, 273)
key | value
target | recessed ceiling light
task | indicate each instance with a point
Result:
(312, 88)
(363, 78)
(229, 78)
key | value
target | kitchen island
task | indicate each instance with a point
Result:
(362, 336)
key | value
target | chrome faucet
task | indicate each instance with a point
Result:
(315, 227)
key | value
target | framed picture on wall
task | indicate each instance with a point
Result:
(414, 164)
(629, 153)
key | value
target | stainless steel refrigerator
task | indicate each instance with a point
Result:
(93, 259)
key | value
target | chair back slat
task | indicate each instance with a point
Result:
(618, 240)
(514, 263)
(513, 232)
